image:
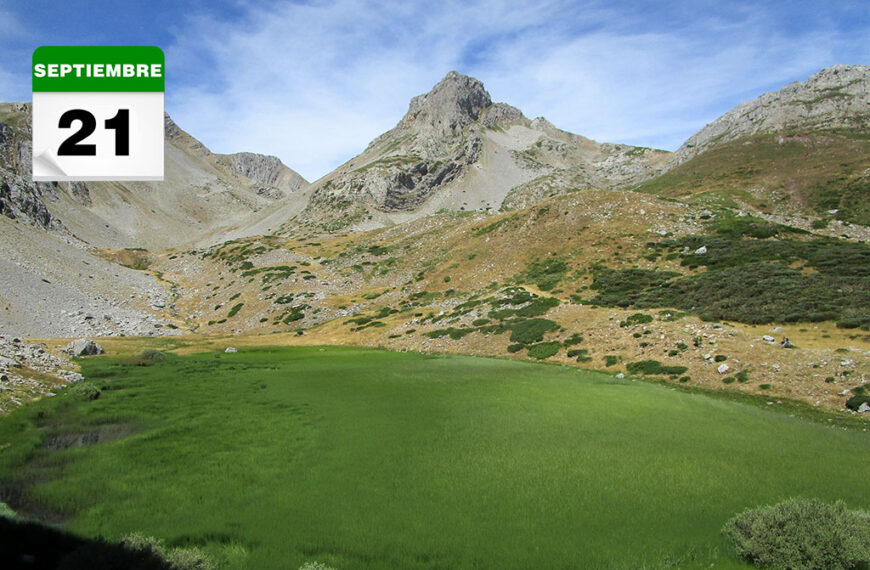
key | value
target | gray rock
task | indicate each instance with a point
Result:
(231, 349)
(701, 250)
(768, 338)
(83, 347)
(8, 362)
(723, 368)
(864, 408)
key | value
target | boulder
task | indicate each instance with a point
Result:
(7, 362)
(701, 250)
(768, 338)
(723, 368)
(231, 349)
(863, 408)
(83, 347)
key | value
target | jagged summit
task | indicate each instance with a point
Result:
(454, 103)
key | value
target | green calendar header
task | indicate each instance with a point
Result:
(98, 68)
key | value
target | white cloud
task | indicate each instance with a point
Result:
(314, 83)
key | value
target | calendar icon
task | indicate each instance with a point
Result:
(98, 113)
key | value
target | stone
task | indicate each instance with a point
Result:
(7, 362)
(83, 347)
(231, 349)
(701, 250)
(864, 408)
(620, 375)
(768, 338)
(723, 368)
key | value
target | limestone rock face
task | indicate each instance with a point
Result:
(442, 113)
(835, 97)
(457, 150)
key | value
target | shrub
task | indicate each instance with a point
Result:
(83, 392)
(150, 356)
(515, 347)
(575, 338)
(190, 559)
(801, 534)
(610, 360)
(685, 379)
(743, 376)
(720, 358)
(728, 380)
(766, 386)
(141, 543)
(653, 367)
(636, 319)
(855, 402)
(544, 350)
(315, 566)
(6, 511)
(532, 330)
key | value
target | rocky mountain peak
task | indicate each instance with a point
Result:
(455, 102)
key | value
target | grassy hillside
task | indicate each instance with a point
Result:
(812, 172)
(583, 265)
(269, 458)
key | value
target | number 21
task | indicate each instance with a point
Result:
(73, 146)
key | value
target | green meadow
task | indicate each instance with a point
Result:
(364, 459)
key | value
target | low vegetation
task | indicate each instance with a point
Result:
(253, 458)
(801, 533)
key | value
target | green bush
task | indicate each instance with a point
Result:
(531, 330)
(801, 534)
(150, 356)
(653, 367)
(515, 347)
(855, 402)
(743, 376)
(82, 391)
(720, 358)
(610, 360)
(685, 379)
(191, 558)
(235, 309)
(6, 511)
(575, 338)
(544, 350)
(636, 319)
(728, 380)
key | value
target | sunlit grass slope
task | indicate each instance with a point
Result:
(373, 459)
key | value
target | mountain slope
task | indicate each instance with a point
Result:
(455, 149)
(801, 150)
(203, 195)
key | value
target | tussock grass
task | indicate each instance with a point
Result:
(287, 455)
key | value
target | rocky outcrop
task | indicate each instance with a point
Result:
(837, 97)
(271, 177)
(83, 347)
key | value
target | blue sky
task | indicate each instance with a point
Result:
(313, 81)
